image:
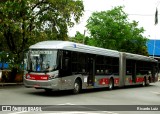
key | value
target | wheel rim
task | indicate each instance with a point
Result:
(76, 87)
(110, 84)
(144, 82)
(148, 82)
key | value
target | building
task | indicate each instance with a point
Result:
(154, 48)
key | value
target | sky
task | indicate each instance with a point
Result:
(142, 11)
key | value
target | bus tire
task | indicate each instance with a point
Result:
(144, 83)
(111, 84)
(48, 90)
(148, 81)
(77, 86)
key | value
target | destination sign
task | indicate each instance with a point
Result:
(41, 52)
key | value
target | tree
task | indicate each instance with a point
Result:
(24, 22)
(79, 38)
(111, 29)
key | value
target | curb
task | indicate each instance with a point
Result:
(10, 84)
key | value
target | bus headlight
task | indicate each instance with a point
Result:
(52, 76)
(27, 76)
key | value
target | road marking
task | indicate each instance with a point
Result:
(80, 112)
(69, 112)
(18, 112)
(109, 112)
(155, 92)
(66, 104)
(74, 112)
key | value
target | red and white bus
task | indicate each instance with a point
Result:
(64, 65)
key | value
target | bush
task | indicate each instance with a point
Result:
(6, 76)
(19, 77)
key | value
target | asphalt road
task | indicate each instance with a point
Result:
(120, 97)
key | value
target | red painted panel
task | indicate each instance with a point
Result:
(37, 77)
(104, 81)
(116, 80)
(130, 80)
(139, 79)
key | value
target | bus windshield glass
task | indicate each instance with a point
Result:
(42, 60)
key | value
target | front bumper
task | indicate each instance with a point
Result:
(53, 84)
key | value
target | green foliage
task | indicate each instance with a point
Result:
(111, 29)
(79, 38)
(4, 57)
(25, 22)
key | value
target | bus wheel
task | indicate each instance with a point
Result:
(48, 90)
(144, 82)
(148, 81)
(111, 84)
(77, 87)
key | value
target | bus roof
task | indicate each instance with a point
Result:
(139, 57)
(66, 45)
(72, 46)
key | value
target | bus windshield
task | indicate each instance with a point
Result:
(42, 60)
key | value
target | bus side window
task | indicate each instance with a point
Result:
(66, 63)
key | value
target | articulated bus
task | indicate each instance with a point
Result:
(64, 65)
